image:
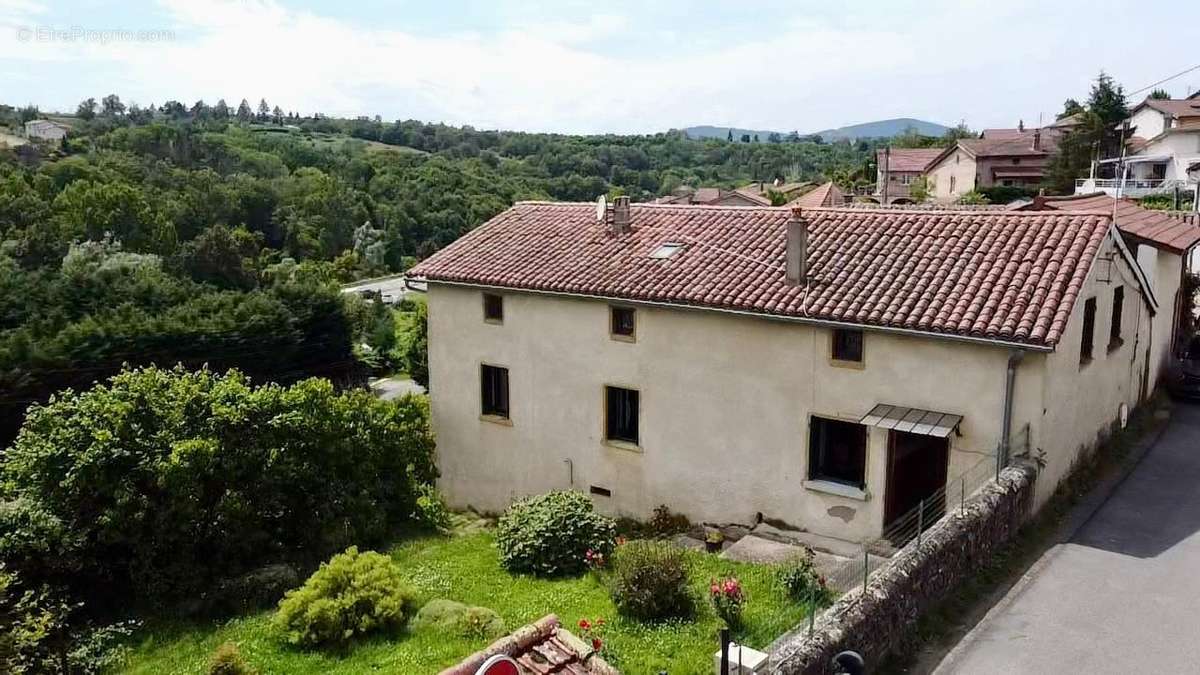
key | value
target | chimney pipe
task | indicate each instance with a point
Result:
(1037, 139)
(797, 249)
(1020, 125)
(621, 222)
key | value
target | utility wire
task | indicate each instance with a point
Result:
(1168, 79)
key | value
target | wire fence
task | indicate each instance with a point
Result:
(911, 528)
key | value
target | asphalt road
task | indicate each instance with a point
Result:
(393, 288)
(1123, 595)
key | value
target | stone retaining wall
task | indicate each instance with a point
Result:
(916, 578)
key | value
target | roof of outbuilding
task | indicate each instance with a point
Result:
(1157, 228)
(994, 275)
(541, 648)
(825, 194)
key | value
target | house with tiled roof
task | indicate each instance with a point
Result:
(897, 169)
(1001, 157)
(544, 647)
(1163, 143)
(1162, 243)
(830, 368)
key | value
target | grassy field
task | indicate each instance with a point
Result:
(466, 568)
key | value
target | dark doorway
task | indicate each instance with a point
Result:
(917, 467)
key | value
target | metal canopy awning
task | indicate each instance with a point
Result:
(911, 420)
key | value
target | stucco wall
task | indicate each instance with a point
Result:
(963, 170)
(1164, 270)
(1148, 122)
(1082, 401)
(725, 404)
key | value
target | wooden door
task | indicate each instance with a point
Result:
(917, 468)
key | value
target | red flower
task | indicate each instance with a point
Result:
(584, 624)
(596, 644)
(620, 541)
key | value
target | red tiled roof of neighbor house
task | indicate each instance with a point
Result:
(826, 194)
(909, 160)
(1018, 146)
(1156, 228)
(994, 275)
(1175, 107)
(541, 648)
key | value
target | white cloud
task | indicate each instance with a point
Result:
(987, 63)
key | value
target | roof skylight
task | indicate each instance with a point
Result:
(666, 250)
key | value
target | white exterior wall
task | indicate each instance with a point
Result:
(1148, 122)
(1184, 149)
(1164, 270)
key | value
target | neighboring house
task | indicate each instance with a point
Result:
(1162, 244)
(1001, 159)
(686, 194)
(830, 368)
(45, 130)
(759, 193)
(1164, 143)
(897, 168)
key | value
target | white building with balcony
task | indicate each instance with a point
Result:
(1162, 154)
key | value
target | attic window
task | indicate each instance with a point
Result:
(666, 250)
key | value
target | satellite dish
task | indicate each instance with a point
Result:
(601, 207)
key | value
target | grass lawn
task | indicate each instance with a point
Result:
(466, 568)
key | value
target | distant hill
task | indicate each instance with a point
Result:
(883, 129)
(880, 129)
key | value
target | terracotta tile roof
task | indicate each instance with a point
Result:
(1019, 146)
(1175, 107)
(541, 648)
(1157, 228)
(997, 275)
(909, 160)
(826, 194)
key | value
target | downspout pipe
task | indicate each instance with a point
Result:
(1010, 381)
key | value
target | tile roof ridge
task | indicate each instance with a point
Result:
(656, 205)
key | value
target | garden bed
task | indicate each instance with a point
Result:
(466, 568)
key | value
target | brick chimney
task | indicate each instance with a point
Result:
(1037, 139)
(797, 249)
(621, 220)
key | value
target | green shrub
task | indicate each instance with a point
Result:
(431, 510)
(228, 660)
(649, 581)
(176, 479)
(352, 595)
(665, 522)
(551, 534)
(257, 589)
(459, 619)
(802, 581)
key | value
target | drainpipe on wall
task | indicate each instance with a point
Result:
(1010, 380)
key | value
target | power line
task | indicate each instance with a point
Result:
(1168, 79)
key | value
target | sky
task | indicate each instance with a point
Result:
(617, 66)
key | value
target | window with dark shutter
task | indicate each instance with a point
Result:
(621, 412)
(622, 323)
(493, 308)
(847, 345)
(837, 451)
(1114, 329)
(493, 383)
(1089, 328)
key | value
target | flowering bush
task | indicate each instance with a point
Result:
(590, 632)
(727, 598)
(649, 581)
(803, 582)
(595, 560)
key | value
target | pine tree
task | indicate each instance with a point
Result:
(243, 112)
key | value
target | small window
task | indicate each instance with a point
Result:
(666, 250)
(953, 180)
(622, 323)
(847, 345)
(621, 413)
(1118, 306)
(837, 451)
(493, 383)
(1089, 327)
(493, 307)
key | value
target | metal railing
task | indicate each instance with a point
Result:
(910, 528)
